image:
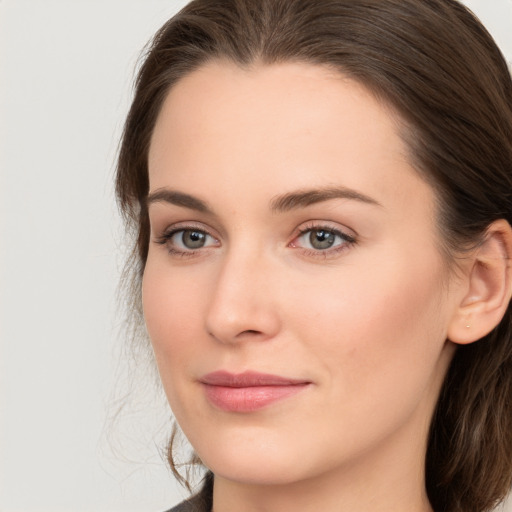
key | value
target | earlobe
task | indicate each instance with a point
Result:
(489, 286)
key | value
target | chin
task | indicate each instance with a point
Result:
(252, 462)
(265, 464)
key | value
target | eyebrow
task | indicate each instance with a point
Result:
(302, 198)
(164, 195)
(280, 204)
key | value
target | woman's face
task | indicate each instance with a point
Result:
(294, 291)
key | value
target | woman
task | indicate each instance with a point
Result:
(321, 196)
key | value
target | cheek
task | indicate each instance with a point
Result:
(377, 329)
(172, 312)
(174, 317)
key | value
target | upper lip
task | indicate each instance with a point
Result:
(248, 379)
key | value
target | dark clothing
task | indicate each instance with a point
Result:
(200, 502)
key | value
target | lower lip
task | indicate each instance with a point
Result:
(248, 399)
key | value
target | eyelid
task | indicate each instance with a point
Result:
(335, 227)
(187, 226)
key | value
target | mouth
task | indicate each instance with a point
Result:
(248, 391)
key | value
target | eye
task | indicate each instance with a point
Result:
(322, 239)
(186, 241)
(190, 238)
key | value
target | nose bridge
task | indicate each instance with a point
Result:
(242, 303)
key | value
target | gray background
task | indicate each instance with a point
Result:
(65, 79)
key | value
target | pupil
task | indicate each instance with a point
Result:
(321, 239)
(193, 239)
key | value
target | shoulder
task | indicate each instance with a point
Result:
(194, 504)
(201, 502)
(187, 506)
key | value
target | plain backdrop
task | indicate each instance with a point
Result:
(66, 69)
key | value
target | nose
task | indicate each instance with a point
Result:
(243, 305)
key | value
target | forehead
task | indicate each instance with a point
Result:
(291, 99)
(288, 124)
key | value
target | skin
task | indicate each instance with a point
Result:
(366, 322)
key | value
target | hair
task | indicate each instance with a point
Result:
(438, 67)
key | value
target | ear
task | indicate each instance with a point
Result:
(487, 286)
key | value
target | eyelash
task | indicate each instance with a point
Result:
(348, 241)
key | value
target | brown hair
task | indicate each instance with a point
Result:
(439, 68)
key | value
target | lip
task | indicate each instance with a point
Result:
(248, 391)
